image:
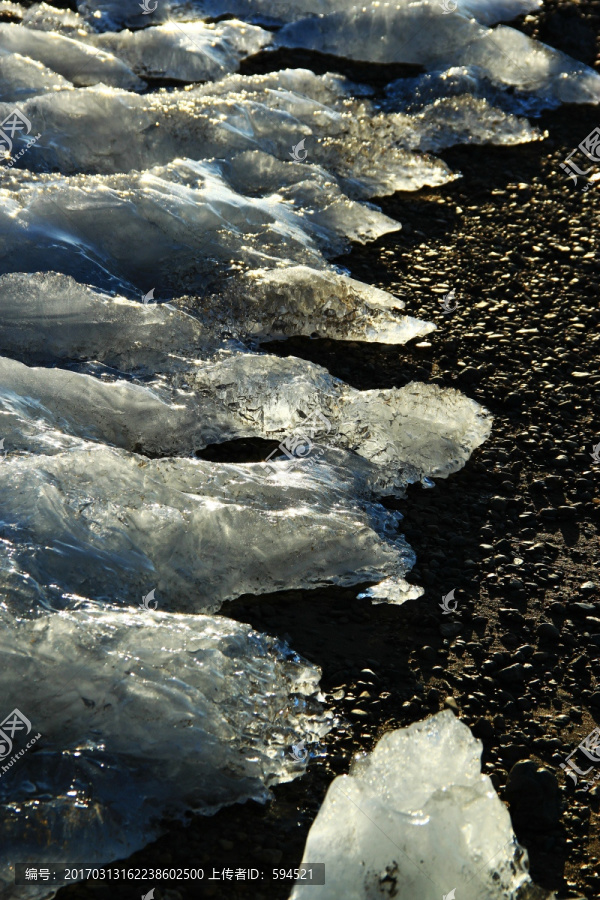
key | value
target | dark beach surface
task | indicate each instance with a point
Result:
(515, 533)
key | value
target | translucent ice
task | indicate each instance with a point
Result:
(466, 120)
(72, 59)
(460, 82)
(21, 78)
(117, 13)
(428, 429)
(142, 715)
(187, 51)
(276, 303)
(361, 147)
(421, 33)
(96, 522)
(45, 317)
(45, 17)
(181, 226)
(416, 818)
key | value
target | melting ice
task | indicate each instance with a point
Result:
(162, 168)
(416, 818)
(142, 716)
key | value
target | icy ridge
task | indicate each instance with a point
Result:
(142, 714)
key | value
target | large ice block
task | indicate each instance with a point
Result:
(416, 818)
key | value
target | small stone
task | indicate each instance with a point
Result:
(512, 674)
(533, 796)
(548, 632)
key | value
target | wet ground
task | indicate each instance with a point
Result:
(515, 533)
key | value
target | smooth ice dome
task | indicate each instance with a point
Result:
(143, 715)
(414, 820)
(191, 51)
(74, 60)
(420, 33)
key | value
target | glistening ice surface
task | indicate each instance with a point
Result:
(172, 216)
(142, 715)
(416, 818)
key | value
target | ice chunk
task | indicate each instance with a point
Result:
(416, 818)
(142, 715)
(488, 12)
(361, 147)
(430, 430)
(468, 120)
(21, 78)
(45, 317)
(181, 226)
(44, 17)
(413, 94)
(189, 51)
(421, 33)
(276, 303)
(73, 59)
(115, 14)
(91, 521)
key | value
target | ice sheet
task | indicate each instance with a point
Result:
(142, 715)
(423, 34)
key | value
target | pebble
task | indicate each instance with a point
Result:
(533, 796)
(548, 632)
